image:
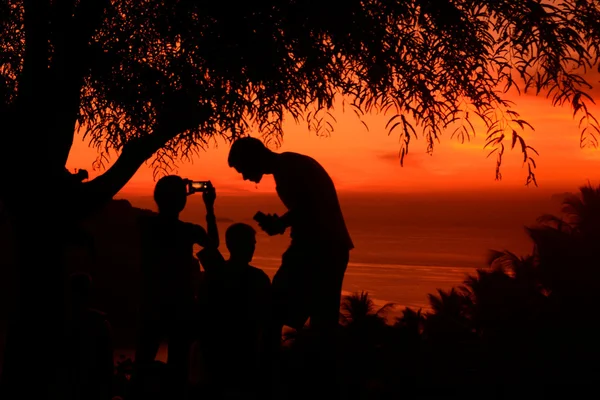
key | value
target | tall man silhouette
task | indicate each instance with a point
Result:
(308, 283)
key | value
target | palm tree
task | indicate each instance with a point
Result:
(359, 309)
(365, 333)
(524, 288)
(582, 212)
(519, 267)
(365, 325)
(451, 303)
(449, 319)
(407, 339)
(567, 250)
(411, 321)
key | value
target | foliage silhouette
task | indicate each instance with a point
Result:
(524, 323)
(359, 309)
(161, 78)
(149, 76)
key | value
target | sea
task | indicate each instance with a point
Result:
(407, 245)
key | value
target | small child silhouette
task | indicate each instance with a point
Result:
(238, 310)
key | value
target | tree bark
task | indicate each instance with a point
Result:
(40, 210)
(33, 340)
(38, 197)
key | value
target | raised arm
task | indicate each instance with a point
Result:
(209, 197)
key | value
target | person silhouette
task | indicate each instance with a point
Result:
(89, 345)
(308, 283)
(235, 347)
(170, 276)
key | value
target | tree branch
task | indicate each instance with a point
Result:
(100, 190)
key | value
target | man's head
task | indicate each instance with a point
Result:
(249, 156)
(241, 242)
(170, 194)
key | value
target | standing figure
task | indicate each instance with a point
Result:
(308, 283)
(170, 276)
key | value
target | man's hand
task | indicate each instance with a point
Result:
(272, 225)
(209, 196)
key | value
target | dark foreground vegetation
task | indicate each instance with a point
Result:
(521, 327)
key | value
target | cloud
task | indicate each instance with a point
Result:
(412, 159)
(561, 196)
(388, 156)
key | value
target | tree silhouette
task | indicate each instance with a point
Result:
(519, 324)
(359, 309)
(411, 322)
(366, 334)
(162, 78)
(566, 249)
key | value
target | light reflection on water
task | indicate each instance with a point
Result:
(404, 285)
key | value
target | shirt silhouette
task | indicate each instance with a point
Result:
(169, 267)
(314, 214)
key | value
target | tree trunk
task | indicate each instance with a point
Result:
(33, 346)
(42, 213)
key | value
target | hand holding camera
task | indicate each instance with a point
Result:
(270, 223)
(209, 195)
(206, 188)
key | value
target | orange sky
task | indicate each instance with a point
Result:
(361, 160)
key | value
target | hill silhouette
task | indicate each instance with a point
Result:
(108, 248)
(114, 264)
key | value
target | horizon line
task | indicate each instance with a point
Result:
(521, 190)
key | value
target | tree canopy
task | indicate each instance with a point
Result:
(164, 77)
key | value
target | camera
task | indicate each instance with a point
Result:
(197, 186)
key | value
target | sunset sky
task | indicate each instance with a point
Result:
(367, 161)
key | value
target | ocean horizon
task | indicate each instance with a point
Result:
(406, 246)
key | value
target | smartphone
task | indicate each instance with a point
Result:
(198, 186)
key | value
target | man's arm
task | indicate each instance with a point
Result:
(211, 259)
(286, 219)
(199, 235)
(211, 228)
(209, 197)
